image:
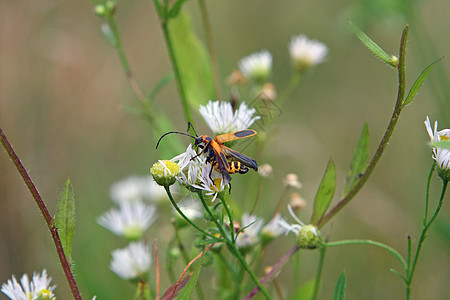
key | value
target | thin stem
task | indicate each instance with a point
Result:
(394, 252)
(258, 196)
(384, 141)
(422, 238)
(186, 218)
(48, 219)
(175, 65)
(230, 217)
(123, 60)
(427, 196)
(155, 246)
(233, 249)
(211, 48)
(319, 273)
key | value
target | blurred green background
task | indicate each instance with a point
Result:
(62, 94)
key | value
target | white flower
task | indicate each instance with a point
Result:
(191, 167)
(137, 188)
(273, 229)
(211, 182)
(305, 52)
(130, 221)
(257, 66)
(440, 155)
(221, 119)
(132, 262)
(38, 288)
(249, 236)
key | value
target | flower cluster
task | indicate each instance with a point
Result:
(38, 288)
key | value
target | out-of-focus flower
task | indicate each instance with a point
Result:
(440, 155)
(297, 202)
(236, 78)
(164, 172)
(268, 92)
(191, 208)
(291, 180)
(130, 221)
(257, 66)
(137, 188)
(38, 289)
(265, 170)
(221, 119)
(132, 262)
(306, 53)
(273, 229)
(248, 237)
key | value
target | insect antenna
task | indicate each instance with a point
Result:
(173, 132)
(192, 126)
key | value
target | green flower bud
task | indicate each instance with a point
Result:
(100, 10)
(309, 237)
(394, 60)
(164, 172)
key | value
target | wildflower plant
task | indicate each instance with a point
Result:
(213, 227)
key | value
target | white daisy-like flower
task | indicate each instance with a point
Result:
(306, 52)
(38, 288)
(211, 181)
(221, 119)
(250, 235)
(131, 220)
(191, 167)
(273, 229)
(136, 188)
(257, 66)
(132, 262)
(440, 155)
(308, 236)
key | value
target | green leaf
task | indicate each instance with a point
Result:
(175, 9)
(418, 84)
(194, 64)
(325, 193)
(371, 45)
(441, 144)
(359, 161)
(189, 288)
(305, 291)
(160, 84)
(65, 219)
(339, 289)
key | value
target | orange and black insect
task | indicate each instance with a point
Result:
(218, 154)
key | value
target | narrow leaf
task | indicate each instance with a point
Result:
(325, 193)
(65, 218)
(418, 84)
(339, 289)
(441, 144)
(359, 160)
(192, 58)
(371, 45)
(160, 84)
(177, 287)
(189, 288)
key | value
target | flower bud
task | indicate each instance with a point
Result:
(164, 172)
(309, 237)
(296, 202)
(394, 60)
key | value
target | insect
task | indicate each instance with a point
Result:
(218, 154)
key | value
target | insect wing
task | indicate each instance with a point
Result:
(236, 135)
(221, 159)
(244, 159)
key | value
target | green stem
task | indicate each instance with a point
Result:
(176, 68)
(384, 141)
(319, 273)
(232, 247)
(422, 238)
(211, 47)
(394, 252)
(123, 60)
(230, 217)
(293, 83)
(186, 218)
(427, 196)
